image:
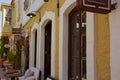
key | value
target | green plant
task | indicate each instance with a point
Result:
(19, 44)
(15, 56)
(3, 40)
(11, 57)
(17, 62)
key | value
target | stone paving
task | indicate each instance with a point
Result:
(2, 73)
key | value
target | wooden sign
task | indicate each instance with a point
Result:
(16, 31)
(98, 6)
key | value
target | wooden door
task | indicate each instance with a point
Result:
(75, 49)
(35, 52)
(47, 58)
(27, 53)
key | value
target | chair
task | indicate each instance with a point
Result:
(50, 78)
(31, 74)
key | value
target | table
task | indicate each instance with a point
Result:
(2, 73)
(13, 74)
(6, 65)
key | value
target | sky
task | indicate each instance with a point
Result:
(2, 1)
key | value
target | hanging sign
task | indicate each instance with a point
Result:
(16, 30)
(97, 6)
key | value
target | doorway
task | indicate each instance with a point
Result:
(35, 51)
(47, 49)
(77, 45)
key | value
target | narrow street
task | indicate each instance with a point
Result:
(59, 39)
(2, 73)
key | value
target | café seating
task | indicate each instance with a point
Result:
(13, 73)
(31, 74)
(50, 78)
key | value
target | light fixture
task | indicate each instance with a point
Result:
(45, 0)
(33, 14)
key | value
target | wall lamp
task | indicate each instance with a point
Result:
(45, 0)
(33, 14)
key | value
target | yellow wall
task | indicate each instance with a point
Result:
(102, 40)
(102, 47)
(51, 5)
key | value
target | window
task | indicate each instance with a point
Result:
(8, 16)
(26, 4)
(83, 46)
(77, 45)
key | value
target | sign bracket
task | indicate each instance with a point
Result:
(113, 6)
(96, 6)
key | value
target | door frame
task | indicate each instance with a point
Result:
(76, 9)
(48, 16)
(45, 59)
(63, 43)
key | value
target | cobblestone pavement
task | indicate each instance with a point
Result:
(2, 73)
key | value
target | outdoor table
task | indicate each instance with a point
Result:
(2, 74)
(6, 65)
(13, 74)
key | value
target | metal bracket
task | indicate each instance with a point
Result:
(45, 0)
(113, 6)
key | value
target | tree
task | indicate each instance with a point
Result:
(3, 40)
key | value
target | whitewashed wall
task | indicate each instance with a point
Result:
(32, 45)
(34, 6)
(115, 42)
(48, 16)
